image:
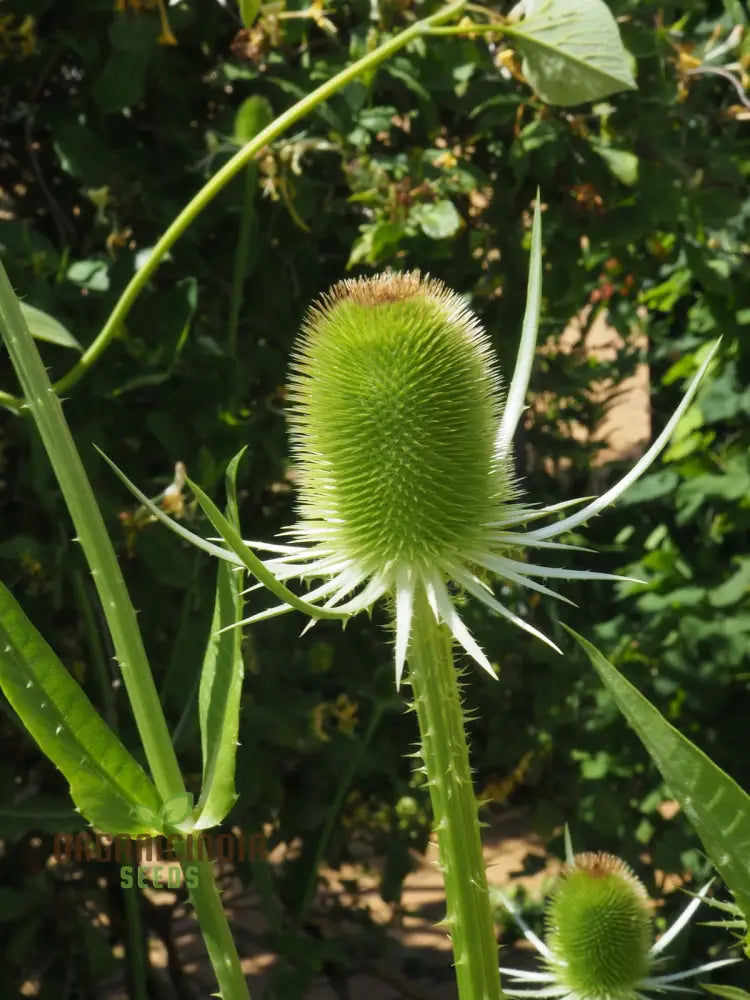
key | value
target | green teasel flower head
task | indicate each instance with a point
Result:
(402, 438)
(599, 937)
(599, 925)
(395, 402)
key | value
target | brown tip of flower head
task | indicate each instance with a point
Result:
(600, 864)
(383, 288)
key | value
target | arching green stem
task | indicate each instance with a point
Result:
(230, 169)
(222, 177)
(445, 755)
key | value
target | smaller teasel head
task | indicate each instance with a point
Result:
(599, 926)
(599, 943)
(395, 403)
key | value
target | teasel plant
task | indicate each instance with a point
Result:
(599, 941)
(402, 434)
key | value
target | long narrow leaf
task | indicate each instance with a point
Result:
(45, 327)
(219, 703)
(106, 783)
(221, 687)
(718, 809)
(175, 526)
(726, 992)
(233, 538)
(238, 554)
(233, 510)
(514, 404)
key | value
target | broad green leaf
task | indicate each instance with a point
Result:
(82, 152)
(106, 783)
(650, 487)
(727, 992)
(535, 135)
(571, 51)
(375, 239)
(622, 163)
(221, 684)
(40, 813)
(248, 11)
(142, 32)
(122, 80)
(735, 589)
(45, 327)
(91, 274)
(252, 116)
(377, 119)
(717, 808)
(19, 239)
(437, 221)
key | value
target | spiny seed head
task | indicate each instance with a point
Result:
(599, 924)
(395, 403)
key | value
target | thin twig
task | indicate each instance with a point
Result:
(720, 71)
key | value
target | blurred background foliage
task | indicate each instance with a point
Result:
(114, 115)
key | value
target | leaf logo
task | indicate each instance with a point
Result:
(171, 813)
(147, 816)
(177, 809)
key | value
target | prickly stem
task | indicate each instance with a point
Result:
(446, 758)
